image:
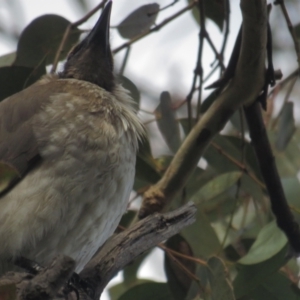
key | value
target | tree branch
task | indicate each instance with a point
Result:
(123, 248)
(242, 90)
(284, 217)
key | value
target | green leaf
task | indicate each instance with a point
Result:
(201, 236)
(219, 207)
(41, 38)
(178, 280)
(130, 86)
(148, 291)
(139, 21)
(297, 30)
(167, 122)
(286, 126)
(198, 179)
(216, 186)
(116, 291)
(214, 10)
(251, 276)
(269, 242)
(214, 282)
(36, 74)
(288, 162)
(291, 188)
(202, 287)
(236, 120)
(145, 168)
(12, 80)
(220, 284)
(276, 287)
(248, 152)
(219, 159)
(7, 59)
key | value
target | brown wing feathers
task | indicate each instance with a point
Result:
(18, 145)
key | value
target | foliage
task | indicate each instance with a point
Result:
(234, 250)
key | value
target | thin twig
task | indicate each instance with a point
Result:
(210, 73)
(242, 162)
(127, 245)
(191, 258)
(125, 60)
(169, 5)
(239, 165)
(284, 82)
(213, 47)
(286, 99)
(183, 268)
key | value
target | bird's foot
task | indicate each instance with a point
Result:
(76, 283)
(29, 265)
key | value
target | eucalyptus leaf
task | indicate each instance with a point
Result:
(178, 280)
(220, 284)
(12, 80)
(286, 126)
(148, 291)
(138, 21)
(249, 277)
(7, 59)
(201, 236)
(167, 122)
(269, 242)
(41, 38)
(276, 287)
(216, 186)
(214, 10)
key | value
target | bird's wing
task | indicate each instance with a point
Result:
(18, 146)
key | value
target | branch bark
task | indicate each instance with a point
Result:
(259, 138)
(242, 90)
(121, 249)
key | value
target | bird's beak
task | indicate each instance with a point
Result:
(99, 35)
(91, 60)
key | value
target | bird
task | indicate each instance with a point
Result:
(71, 139)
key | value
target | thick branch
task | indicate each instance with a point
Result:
(121, 249)
(280, 208)
(242, 90)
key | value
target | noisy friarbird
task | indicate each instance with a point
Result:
(72, 138)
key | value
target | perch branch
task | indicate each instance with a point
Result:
(127, 245)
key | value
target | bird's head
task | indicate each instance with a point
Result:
(91, 60)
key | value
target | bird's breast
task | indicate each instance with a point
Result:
(73, 201)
